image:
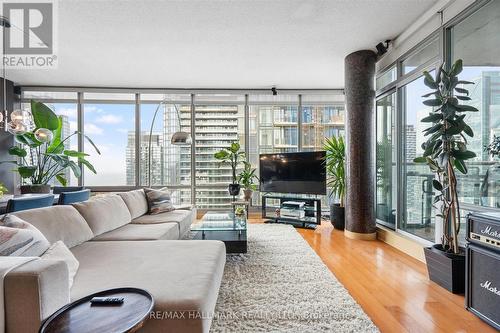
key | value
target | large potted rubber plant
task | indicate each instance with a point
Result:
(335, 169)
(234, 157)
(445, 152)
(41, 155)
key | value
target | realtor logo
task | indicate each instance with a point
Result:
(30, 40)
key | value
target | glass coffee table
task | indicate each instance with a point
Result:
(223, 226)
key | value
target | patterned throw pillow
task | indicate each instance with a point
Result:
(21, 239)
(159, 201)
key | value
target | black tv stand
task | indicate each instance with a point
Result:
(272, 205)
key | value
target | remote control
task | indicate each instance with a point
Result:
(106, 300)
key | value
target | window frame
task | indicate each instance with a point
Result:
(80, 101)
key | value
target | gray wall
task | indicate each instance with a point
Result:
(7, 177)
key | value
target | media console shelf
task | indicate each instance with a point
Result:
(307, 216)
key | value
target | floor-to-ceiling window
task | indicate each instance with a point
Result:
(472, 37)
(108, 119)
(476, 40)
(219, 121)
(64, 104)
(386, 171)
(160, 162)
(418, 216)
(119, 122)
(322, 116)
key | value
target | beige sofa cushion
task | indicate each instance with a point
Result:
(136, 202)
(59, 251)
(58, 223)
(181, 275)
(104, 213)
(183, 218)
(140, 232)
(33, 292)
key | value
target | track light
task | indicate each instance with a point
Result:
(381, 48)
(275, 92)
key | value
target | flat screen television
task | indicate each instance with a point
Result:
(302, 173)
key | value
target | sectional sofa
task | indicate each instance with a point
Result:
(118, 244)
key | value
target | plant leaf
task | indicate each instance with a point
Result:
(56, 140)
(43, 116)
(17, 151)
(463, 155)
(26, 171)
(432, 118)
(75, 168)
(468, 131)
(420, 160)
(456, 68)
(60, 178)
(74, 153)
(432, 102)
(460, 165)
(87, 164)
(93, 145)
(437, 185)
(429, 81)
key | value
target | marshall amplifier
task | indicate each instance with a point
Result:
(484, 229)
(482, 287)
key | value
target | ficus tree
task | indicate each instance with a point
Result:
(446, 147)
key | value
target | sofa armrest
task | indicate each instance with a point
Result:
(34, 291)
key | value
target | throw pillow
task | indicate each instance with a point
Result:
(159, 201)
(59, 251)
(21, 239)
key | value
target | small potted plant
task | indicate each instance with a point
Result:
(41, 154)
(444, 152)
(232, 156)
(335, 169)
(246, 179)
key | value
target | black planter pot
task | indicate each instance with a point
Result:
(36, 188)
(337, 218)
(446, 269)
(234, 189)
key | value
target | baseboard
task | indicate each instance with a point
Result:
(360, 236)
(401, 242)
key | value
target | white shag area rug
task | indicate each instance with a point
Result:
(281, 285)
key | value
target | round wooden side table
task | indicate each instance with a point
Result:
(80, 316)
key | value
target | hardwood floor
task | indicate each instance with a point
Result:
(392, 287)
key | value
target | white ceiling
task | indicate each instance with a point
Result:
(216, 44)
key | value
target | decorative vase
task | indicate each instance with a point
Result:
(446, 269)
(247, 195)
(35, 188)
(337, 216)
(234, 189)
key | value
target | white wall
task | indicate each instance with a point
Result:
(428, 23)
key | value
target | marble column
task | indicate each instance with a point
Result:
(360, 144)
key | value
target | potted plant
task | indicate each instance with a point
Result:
(444, 152)
(493, 148)
(246, 179)
(232, 156)
(335, 169)
(41, 154)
